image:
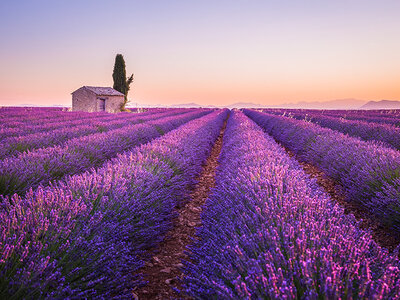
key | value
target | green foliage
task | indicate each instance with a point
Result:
(119, 74)
(121, 82)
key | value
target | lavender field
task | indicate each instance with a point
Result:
(89, 201)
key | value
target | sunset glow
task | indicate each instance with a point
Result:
(208, 52)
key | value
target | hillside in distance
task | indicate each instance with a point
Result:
(348, 103)
(382, 104)
(245, 105)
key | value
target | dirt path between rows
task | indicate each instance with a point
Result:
(164, 269)
(381, 234)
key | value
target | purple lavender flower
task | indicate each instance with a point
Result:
(86, 237)
(269, 232)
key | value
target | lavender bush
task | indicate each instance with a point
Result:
(30, 169)
(388, 135)
(85, 237)
(390, 117)
(26, 126)
(368, 172)
(68, 130)
(269, 232)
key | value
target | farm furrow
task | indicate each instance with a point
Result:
(30, 114)
(269, 232)
(369, 174)
(386, 135)
(37, 118)
(199, 203)
(87, 237)
(47, 127)
(44, 126)
(370, 118)
(31, 169)
(164, 272)
(48, 114)
(367, 116)
(382, 235)
(16, 145)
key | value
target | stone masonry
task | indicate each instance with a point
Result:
(95, 99)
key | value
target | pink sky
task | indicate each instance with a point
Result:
(263, 52)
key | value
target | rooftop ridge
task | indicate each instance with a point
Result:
(102, 91)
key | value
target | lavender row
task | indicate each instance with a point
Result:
(147, 109)
(30, 169)
(388, 119)
(37, 117)
(45, 126)
(15, 145)
(87, 236)
(15, 111)
(269, 232)
(15, 129)
(340, 112)
(388, 135)
(379, 120)
(50, 137)
(379, 117)
(52, 118)
(368, 172)
(394, 121)
(372, 115)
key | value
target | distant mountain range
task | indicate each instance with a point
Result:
(349, 103)
(383, 104)
(245, 105)
(191, 105)
(333, 104)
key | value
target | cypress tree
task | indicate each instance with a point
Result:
(121, 82)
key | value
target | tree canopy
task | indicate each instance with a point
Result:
(121, 82)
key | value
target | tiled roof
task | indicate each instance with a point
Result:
(103, 91)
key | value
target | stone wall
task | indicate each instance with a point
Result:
(84, 100)
(113, 103)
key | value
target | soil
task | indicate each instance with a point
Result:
(382, 235)
(163, 272)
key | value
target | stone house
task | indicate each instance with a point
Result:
(94, 99)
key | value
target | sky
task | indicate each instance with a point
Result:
(208, 52)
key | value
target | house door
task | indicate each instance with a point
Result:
(102, 104)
